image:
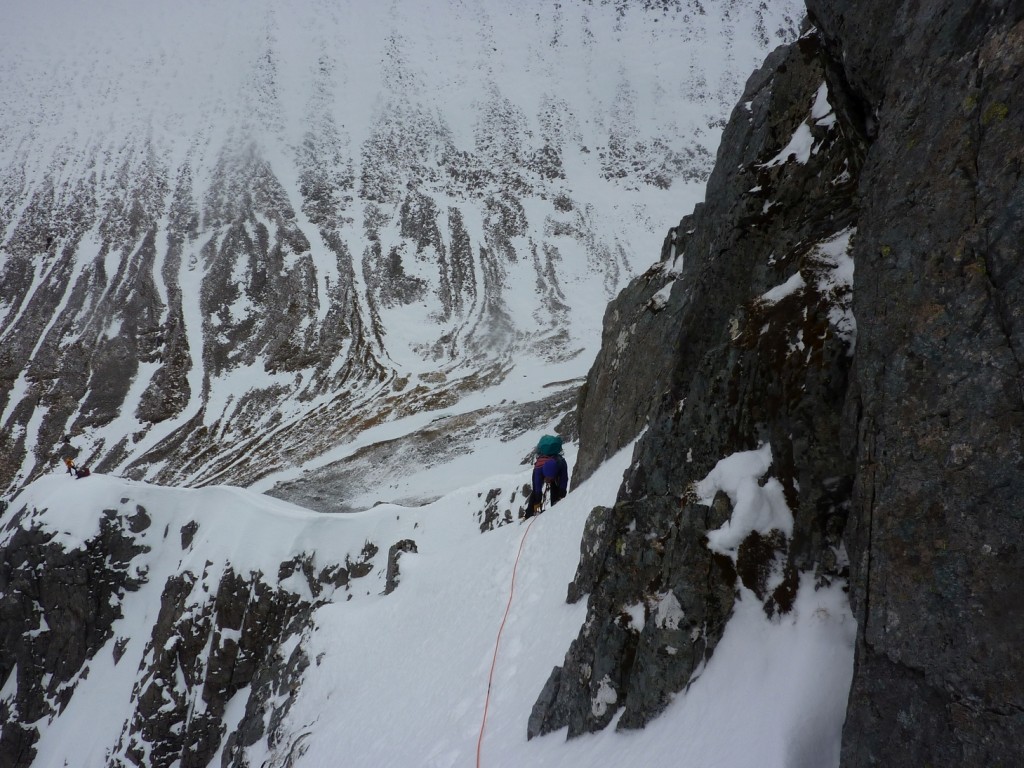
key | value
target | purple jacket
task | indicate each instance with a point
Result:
(553, 468)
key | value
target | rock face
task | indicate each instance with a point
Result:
(886, 136)
(746, 330)
(937, 406)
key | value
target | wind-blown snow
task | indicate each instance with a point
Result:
(757, 506)
(798, 150)
(788, 288)
(822, 112)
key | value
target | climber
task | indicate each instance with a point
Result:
(82, 472)
(70, 464)
(549, 472)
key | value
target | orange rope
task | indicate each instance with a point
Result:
(494, 659)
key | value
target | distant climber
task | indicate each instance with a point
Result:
(550, 472)
(82, 472)
(70, 464)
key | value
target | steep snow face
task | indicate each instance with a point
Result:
(234, 236)
(242, 630)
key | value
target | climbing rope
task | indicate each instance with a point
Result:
(497, 641)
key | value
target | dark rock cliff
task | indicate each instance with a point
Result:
(936, 527)
(893, 410)
(745, 333)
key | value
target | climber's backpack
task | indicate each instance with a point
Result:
(549, 445)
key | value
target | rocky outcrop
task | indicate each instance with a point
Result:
(744, 336)
(57, 607)
(394, 555)
(217, 651)
(217, 633)
(890, 401)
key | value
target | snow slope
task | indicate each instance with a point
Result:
(401, 679)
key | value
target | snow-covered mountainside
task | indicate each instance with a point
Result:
(242, 240)
(798, 475)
